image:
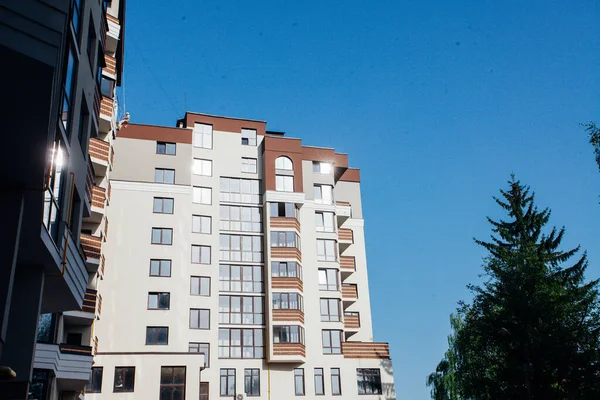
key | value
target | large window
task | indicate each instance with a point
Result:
(249, 137)
(163, 205)
(157, 335)
(164, 175)
(336, 382)
(319, 382)
(328, 279)
(203, 348)
(288, 334)
(288, 301)
(201, 195)
(324, 221)
(162, 236)
(321, 167)
(244, 310)
(368, 380)
(241, 278)
(252, 382)
(95, 383)
(332, 341)
(286, 269)
(200, 286)
(240, 248)
(68, 86)
(160, 267)
(237, 190)
(54, 195)
(285, 239)
(46, 332)
(326, 250)
(284, 174)
(238, 218)
(330, 310)
(323, 194)
(76, 18)
(283, 210)
(166, 148)
(227, 381)
(172, 383)
(249, 165)
(299, 381)
(202, 167)
(124, 379)
(201, 224)
(241, 343)
(203, 135)
(159, 301)
(200, 254)
(199, 318)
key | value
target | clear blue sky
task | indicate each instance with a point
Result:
(437, 102)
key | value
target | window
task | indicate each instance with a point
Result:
(227, 382)
(284, 164)
(368, 380)
(283, 210)
(199, 318)
(321, 167)
(285, 239)
(68, 85)
(323, 194)
(319, 382)
(332, 342)
(324, 222)
(288, 334)
(203, 135)
(160, 267)
(84, 125)
(54, 195)
(330, 310)
(299, 381)
(107, 87)
(204, 386)
(158, 301)
(249, 137)
(241, 343)
(241, 278)
(124, 379)
(157, 335)
(326, 250)
(201, 195)
(284, 174)
(287, 269)
(244, 219)
(92, 40)
(201, 224)
(252, 382)
(163, 205)
(336, 382)
(162, 236)
(200, 254)
(287, 301)
(76, 18)
(244, 310)
(249, 165)
(172, 383)
(95, 383)
(165, 148)
(240, 248)
(237, 190)
(46, 332)
(164, 175)
(200, 286)
(203, 348)
(284, 183)
(202, 167)
(328, 280)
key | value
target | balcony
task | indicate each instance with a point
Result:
(100, 155)
(97, 205)
(366, 350)
(111, 67)
(92, 248)
(286, 253)
(288, 352)
(286, 283)
(90, 309)
(280, 315)
(343, 210)
(114, 32)
(347, 265)
(285, 222)
(71, 364)
(106, 114)
(345, 238)
(89, 183)
(349, 293)
(351, 323)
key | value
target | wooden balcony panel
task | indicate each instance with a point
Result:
(366, 350)
(95, 345)
(98, 196)
(287, 315)
(111, 65)
(89, 301)
(76, 350)
(108, 192)
(286, 283)
(345, 234)
(352, 321)
(92, 246)
(105, 228)
(289, 349)
(285, 222)
(99, 304)
(107, 107)
(349, 292)
(89, 181)
(342, 203)
(102, 264)
(112, 19)
(286, 252)
(99, 149)
(347, 263)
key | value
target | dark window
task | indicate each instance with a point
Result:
(288, 301)
(107, 87)
(164, 175)
(76, 17)
(245, 310)
(336, 382)
(299, 381)
(172, 383)
(200, 286)
(41, 382)
(203, 348)
(252, 382)
(204, 391)
(283, 210)
(241, 278)
(92, 40)
(74, 339)
(124, 379)
(241, 343)
(84, 125)
(286, 269)
(288, 334)
(227, 382)
(285, 239)
(68, 84)
(368, 380)
(165, 148)
(199, 318)
(332, 342)
(46, 328)
(160, 267)
(319, 382)
(158, 301)
(163, 205)
(95, 383)
(162, 236)
(157, 335)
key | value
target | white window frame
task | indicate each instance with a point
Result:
(249, 165)
(284, 183)
(250, 136)
(323, 196)
(326, 250)
(203, 282)
(203, 136)
(202, 195)
(201, 254)
(202, 167)
(201, 224)
(324, 221)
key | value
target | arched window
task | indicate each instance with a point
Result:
(284, 174)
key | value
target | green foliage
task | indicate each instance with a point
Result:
(594, 135)
(443, 381)
(532, 330)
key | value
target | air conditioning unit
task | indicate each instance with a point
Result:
(241, 396)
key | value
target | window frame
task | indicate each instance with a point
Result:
(200, 312)
(242, 191)
(249, 374)
(326, 255)
(283, 334)
(90, 387)
(276, 208)
(299, 373)
(319, 377)
(226, 315)
(202, 167)
(163, 171)
(161, 232)
(229, 376)
(284, 183)
(327, 286)
(318, 167)
(336, 389)
(297, 269)
(200, 219)
(282, 239)
(230, 253)
(202, 134)
(364, 380)
(160, 267)
(227, 345)
(166, 146)
(122, 371)
(318, 194)
(249, 136)
(162, 205)
(228, 220)
(200, 247)
(226, 283)
(172, 385)
(277, 301)
(249, 165)
(199, 192)
(200, 346)
(157, 335)
(329, 333)
(200, 280)
(320, 217)
(159, 296)
(328, 317)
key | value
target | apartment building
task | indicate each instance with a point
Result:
(63, 61)
(236, 268)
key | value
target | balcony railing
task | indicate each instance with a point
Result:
(112, 19)
(347, 263)
(109, 191)
(342, 203)
(286, 252)
(366, 350)
(351, 320)
(285, 222)
(89, 181)
(280, 315)
(106, 107)
(349, 291)
(92, 246)
(289, 349)
(89, 301)
(100, 150)
(98, 197)
(345, 235)
(111, 65)
(75, 349)
(286, 283)
(102, 264)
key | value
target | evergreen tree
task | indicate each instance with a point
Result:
(594, 135)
